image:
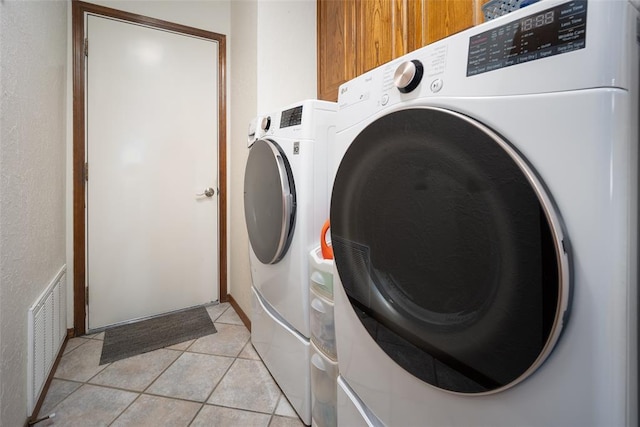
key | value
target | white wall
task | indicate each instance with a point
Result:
(33, 62)
(210, 15)
(287, 71)
(243, 102)
(274, 65)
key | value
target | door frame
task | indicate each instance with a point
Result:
(79, 9)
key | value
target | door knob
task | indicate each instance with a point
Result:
(209, 192)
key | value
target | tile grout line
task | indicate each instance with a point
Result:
(182, 352)
(196, 415)
(98, 373)
(87, 382)
(125, 409)
(204, 403)
(145, 391)
(221, 377)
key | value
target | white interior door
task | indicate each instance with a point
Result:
(152, 135)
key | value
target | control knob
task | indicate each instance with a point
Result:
(408, 75)
(265, 123)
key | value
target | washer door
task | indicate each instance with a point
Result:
(269, 201)
(450, 250)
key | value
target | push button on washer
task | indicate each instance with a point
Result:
(385, 99)
(436, 85)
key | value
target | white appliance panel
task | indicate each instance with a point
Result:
(574, 119)
(285, 353)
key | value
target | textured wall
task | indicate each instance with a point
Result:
(32, 178)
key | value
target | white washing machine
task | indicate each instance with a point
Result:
(484, 220)
(286, 202)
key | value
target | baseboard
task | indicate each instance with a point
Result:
(34, 417)
(245, 319)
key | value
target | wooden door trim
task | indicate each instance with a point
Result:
(79, 8)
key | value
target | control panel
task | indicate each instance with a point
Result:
(291, 117)
(553, 31)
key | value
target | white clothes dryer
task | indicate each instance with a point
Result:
(257, 128)
(484, 220)
(286, 202)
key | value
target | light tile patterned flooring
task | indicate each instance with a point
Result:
(216, 380)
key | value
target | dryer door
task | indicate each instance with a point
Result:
(450, 250)
(269, 201)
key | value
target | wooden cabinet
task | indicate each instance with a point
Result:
(355, 36)
(336, 46)
(380, 32)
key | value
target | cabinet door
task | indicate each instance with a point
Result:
(447, 17)
(432, 20)
(336, 46)
(416, 24)
(381, 32)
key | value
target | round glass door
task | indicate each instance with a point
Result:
(450, 250)
(269, 201)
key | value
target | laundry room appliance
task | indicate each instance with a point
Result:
(256, 129)
(484, 220)
(286, 202)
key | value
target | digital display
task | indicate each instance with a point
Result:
(538, 20)
(291, 117)
(551, 32)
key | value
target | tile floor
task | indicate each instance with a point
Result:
(216, 380)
